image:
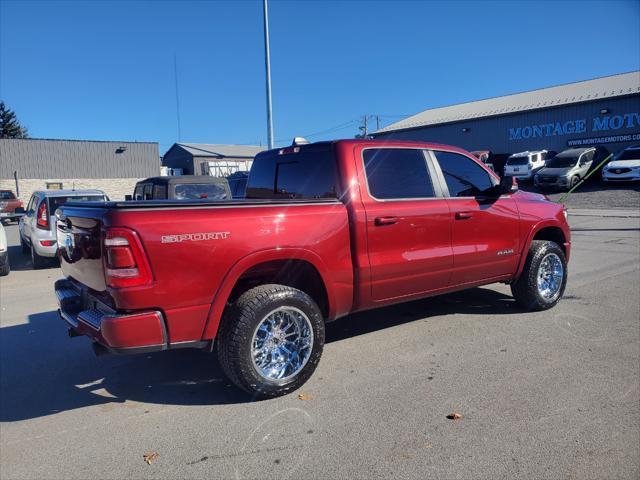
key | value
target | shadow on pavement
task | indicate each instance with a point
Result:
(43, 372)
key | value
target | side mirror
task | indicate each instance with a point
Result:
(508, 184)
(128, 198)
(19, 210)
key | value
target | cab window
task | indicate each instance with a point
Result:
(137, 193)
(464, 177)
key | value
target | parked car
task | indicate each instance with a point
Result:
(625, 167)
(595, 170)
(483, 156)
(182, 187)
(525, 165)
(566, 169)
(238, 183)
(38, 225)
(5, 267)
(326, 229)
(11, 207)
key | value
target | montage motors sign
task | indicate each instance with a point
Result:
(603, 124)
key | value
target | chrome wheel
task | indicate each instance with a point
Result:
(282, 344)
(550, 276)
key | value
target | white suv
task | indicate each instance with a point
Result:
(37, 227)
(524, 165)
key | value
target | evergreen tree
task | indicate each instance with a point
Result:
(9, 125)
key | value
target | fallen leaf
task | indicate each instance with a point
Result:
(150, 457)
(454, 416)
(305, 396)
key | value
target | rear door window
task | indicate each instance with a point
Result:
(397, 173)
(464, 177)
(159, 192)
(137, 193)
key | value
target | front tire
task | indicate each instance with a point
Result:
(544, 277)
(271, 340)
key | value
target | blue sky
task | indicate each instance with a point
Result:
(104, 70)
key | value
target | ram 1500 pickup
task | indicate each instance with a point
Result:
(326, 229)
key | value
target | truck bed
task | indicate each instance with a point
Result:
(197, 251)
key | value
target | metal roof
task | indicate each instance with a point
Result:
(596, 89)
(59, 159)
(217, 150)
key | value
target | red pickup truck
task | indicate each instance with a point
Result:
(326, 229)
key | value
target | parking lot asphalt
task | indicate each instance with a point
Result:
(553, 394)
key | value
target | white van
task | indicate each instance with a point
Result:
(524, 165)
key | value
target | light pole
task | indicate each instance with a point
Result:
(267, 64)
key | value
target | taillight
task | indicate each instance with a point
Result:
(126, 263)
(43, 217)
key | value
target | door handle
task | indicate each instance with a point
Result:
(463, 215)
(380, 221)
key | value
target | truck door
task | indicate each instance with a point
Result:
(484, 231)
(407, 224)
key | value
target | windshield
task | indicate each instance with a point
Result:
(192, 191)
(57, 202)
(6, 195)
(562, 162)
(630, 154)
(518, 161)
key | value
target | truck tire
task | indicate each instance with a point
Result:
(270, 340)
(36, 260)
(544, 277)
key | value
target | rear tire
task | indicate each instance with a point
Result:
(544, 277)
(36, 260)
(24, 246)
(277, 319)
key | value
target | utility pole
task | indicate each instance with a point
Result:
(364, 126)
(267, 63)
(175, 77)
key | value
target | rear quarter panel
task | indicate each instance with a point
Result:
(194, 274)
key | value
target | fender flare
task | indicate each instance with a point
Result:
(527, 244)
(230, 279)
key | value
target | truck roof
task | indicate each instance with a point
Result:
(183, 179)
(376, 142)
(68, 193)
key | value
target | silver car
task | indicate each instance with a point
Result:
(566, 169)
(38, 225)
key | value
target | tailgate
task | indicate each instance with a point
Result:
(79, 235)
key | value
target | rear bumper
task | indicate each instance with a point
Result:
(122, 333)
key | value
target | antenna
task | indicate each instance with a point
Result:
(175, 77)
